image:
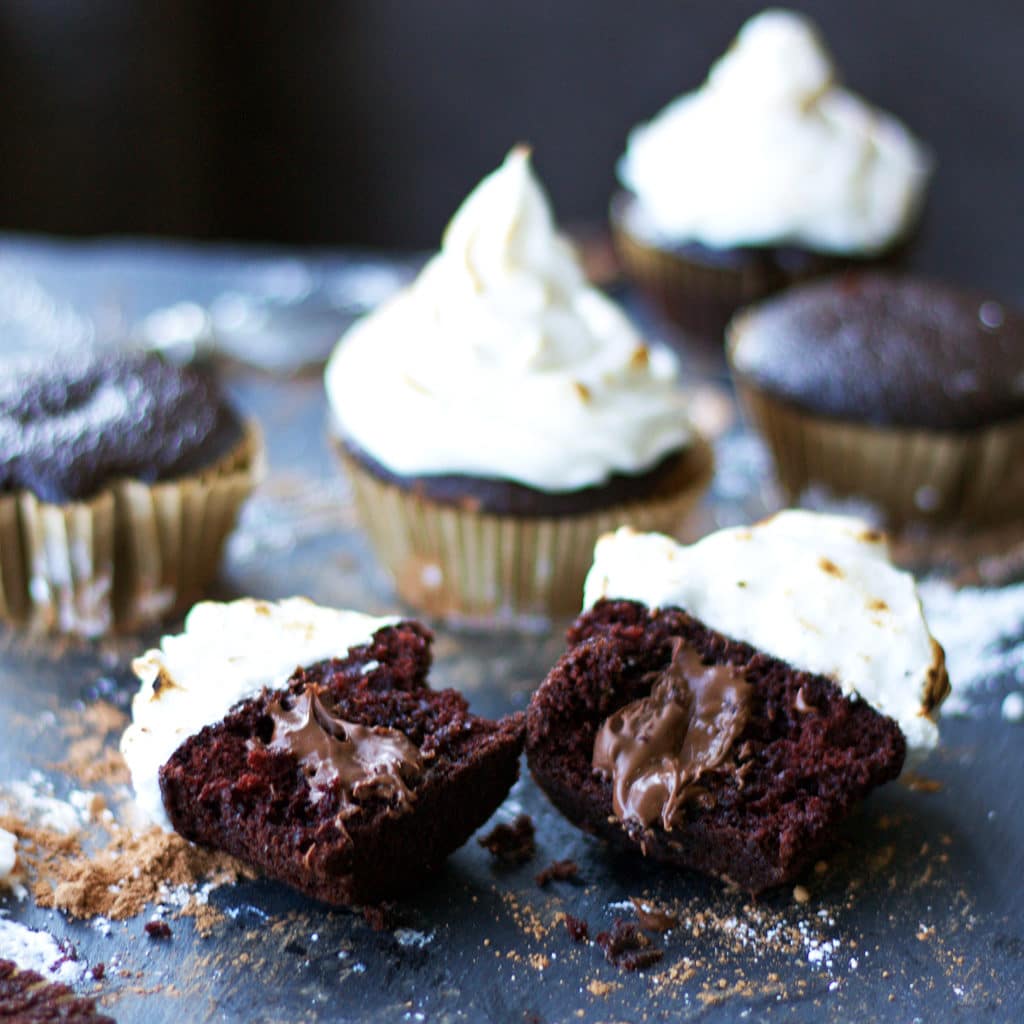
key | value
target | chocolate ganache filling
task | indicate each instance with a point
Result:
(655, 749)
(364, 762)
(70, 428)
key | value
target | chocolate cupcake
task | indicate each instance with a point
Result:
(500, 414)
(904, 391)
(348, 778)
(723, 707)
(769, 174)
(120, 478)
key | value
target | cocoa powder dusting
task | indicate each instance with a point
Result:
(119, 880)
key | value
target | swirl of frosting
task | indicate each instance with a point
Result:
(771, 150)
(501, 361)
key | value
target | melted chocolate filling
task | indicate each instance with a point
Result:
(656, 748)
(363, 761)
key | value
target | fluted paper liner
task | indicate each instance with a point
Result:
(480, 568)
(974, 476)
(130, 555)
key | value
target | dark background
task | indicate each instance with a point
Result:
(365, 122)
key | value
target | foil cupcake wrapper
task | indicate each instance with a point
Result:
(473, 568)
(912, 475)
(131, 555)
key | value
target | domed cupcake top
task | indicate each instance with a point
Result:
(771, 150)
(886, 350)
(501, 361)
(816, 591)
(67, 430)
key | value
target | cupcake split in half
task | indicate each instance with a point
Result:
(722, 707)
(346, 777)
(768, 174)
(500, 414)
(120, 478)
(906, 392)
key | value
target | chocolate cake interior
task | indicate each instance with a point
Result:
(353, 782)
(804, 754)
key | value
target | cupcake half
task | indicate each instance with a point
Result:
(120, 478)
(500, 414)
(907, 392)
(722, 707)
(769, 174)
(347, 777)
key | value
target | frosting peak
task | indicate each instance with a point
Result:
(772, 151)
(501, 361)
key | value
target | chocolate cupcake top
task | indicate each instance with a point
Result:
(886, 350)
(68, 430)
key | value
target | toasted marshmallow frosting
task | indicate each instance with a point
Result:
(501, 361)
(815, 591)
(771, 150)
(226, 654)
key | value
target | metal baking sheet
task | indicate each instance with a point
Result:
(916, 915)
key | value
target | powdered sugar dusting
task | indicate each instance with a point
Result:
(982, 632)
(40, 952)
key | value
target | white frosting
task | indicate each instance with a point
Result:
(770, 150)
(816, 591)
(8, 858)
(500, 360)
(227, 653)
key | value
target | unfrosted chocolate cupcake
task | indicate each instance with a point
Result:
(120, 478)
(769, 174)
(905, 391)
(500, 414)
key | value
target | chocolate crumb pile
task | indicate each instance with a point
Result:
(511, 844)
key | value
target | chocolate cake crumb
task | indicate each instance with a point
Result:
(381, 917)
(578, 929)
(511, 844)
(26, 996)
(627, 947)
(651, 918)
(557, 871)
(158, 929)
(98, 971)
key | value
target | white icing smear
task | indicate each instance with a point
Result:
(500, 360)
(227, 653)
(816, 591)
(771, 150)
(8, 857)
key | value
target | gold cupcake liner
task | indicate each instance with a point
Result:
(131, 555)
(912, 475)
(477, 568)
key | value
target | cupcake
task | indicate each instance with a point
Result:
(723, 707)
(347, 778)
(907, 392)
(768, 174)
(120, 478)
(500, 414)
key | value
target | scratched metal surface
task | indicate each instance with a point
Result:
(917, 914)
